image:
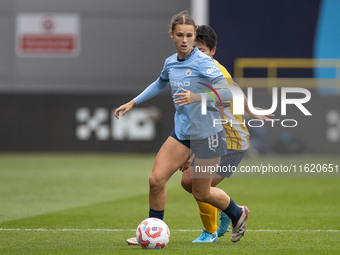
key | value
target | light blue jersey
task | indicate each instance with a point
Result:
(188, 74)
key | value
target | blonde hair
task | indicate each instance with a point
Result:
(182, 18)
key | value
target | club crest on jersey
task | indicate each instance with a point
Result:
(188, 72)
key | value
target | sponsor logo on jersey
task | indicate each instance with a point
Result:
(211, 70)
(180, 83)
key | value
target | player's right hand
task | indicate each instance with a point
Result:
(124, 109)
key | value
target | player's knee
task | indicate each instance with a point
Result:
(156, 182)
(216, 181)
(201, 196)
(186, 184)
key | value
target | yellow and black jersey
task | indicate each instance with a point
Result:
(236, 132)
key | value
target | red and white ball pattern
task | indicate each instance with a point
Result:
(153, 233)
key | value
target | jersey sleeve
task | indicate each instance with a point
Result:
(154, 88)
(164, 76)
(151, 91)
(209, 70)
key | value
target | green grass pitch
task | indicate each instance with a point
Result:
(91, 203)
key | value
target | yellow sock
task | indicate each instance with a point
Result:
(208, 215)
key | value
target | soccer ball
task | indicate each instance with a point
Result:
(153, 233)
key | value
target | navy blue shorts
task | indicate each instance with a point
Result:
(184, 142)
(229, 162)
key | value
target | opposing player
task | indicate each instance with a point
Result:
(181, 70)
(237, 138)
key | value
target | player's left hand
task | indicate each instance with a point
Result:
(187, 97)
(261, 117)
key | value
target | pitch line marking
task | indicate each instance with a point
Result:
(174, 230)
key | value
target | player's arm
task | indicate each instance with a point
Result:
(231, 81)
(151, 91)
(188, 97)
(260, 117)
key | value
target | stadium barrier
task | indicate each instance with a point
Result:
(319, 133)
(84, 122)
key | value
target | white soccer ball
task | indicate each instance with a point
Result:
(153, 233)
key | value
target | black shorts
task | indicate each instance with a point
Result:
(230, 162)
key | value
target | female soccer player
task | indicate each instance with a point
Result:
(188, 71)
